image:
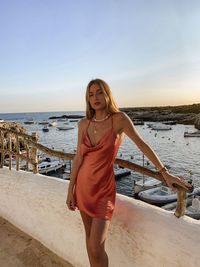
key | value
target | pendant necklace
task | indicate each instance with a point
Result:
(96, 120)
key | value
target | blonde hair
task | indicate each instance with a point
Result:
(111, 106)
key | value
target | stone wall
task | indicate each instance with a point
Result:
(140, 234)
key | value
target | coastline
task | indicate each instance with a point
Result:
(185, 114)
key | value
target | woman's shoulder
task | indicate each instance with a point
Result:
(119, 116)
(83, 123)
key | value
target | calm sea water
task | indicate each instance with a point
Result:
(181, 155)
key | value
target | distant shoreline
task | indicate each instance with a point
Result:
(185, 114)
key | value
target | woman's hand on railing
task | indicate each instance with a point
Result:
(173, 181)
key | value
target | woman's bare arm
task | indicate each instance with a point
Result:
(77, 161)
(129, 129)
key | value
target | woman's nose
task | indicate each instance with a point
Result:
(96, 96)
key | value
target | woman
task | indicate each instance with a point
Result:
(92, 182)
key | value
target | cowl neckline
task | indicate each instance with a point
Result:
(100, 140)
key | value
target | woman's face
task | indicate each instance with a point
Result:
(96, 97)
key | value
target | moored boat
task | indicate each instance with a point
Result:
(46, 166)
(159, 195)
(64, 128)
(161, 127)
(145, 184)
(192, 134)
(45, 129)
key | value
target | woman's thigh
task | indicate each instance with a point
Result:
(98, 232)
(87, 221)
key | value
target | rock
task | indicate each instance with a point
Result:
(197, 122)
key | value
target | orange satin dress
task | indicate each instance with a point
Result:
(95, 184)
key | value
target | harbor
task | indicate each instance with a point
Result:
(47, 191)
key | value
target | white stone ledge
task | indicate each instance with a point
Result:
(141, 235)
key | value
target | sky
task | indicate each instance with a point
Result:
(148, 51)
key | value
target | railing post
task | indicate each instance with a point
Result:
(34, 156)
(10, 150)
(181, 203)
(2, 149)
(17, 151)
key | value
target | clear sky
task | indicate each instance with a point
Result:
(147, 50)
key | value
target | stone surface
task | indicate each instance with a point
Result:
(18, 249)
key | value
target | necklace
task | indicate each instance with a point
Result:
(95, 120)
(101, 119)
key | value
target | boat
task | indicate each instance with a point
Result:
(173, 205)
(66, 174)
(119, 173)
(45, 129)
(161, 127)
(49, 166)
(192, 134)
(64, 128)
(193, 210)
(43, 122)
(52, 124)
(149, 125)
(145, 184)
(74, 120)
(170, 122)
(29, 122)
(138, 122)
(1, 121)
(159, 195)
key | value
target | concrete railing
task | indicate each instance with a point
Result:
(140, 235)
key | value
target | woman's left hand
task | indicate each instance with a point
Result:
(172, 180)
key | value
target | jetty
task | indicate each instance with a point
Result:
(140, 234)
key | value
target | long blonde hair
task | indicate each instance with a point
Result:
(111, 106)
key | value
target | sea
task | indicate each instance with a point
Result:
(181, 155)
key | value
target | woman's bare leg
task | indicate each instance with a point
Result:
(87, 221)
(98, 235)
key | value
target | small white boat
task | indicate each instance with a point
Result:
(145, 184)
(46, 166)
(1, 121)
(193, 210)
(53, 124)
(64, 128)
(192, 134)
(159, 195)
(161, 127)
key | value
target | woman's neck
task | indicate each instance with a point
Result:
(100, 115)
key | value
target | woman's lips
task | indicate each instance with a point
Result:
(97, 103)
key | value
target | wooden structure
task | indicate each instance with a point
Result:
(12, 143)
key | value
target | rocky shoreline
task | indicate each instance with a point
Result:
(189, 114)
(185, 114)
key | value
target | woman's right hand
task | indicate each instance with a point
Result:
(71, 203)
